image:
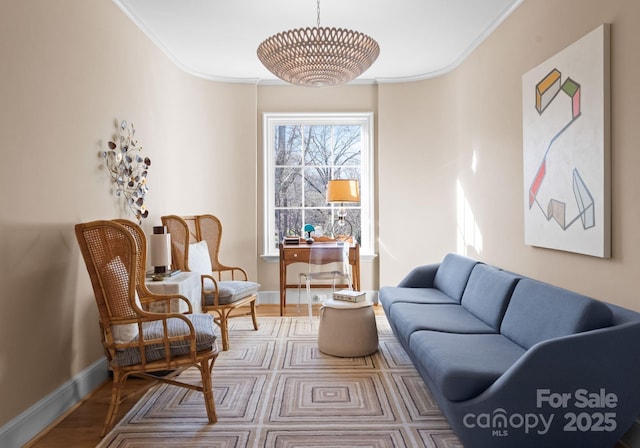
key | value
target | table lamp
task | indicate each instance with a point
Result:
(341, 191)
(160, 251)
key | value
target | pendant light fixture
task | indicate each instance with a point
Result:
(319, 56)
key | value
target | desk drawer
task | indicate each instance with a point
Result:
(296, 254)
(302, 253)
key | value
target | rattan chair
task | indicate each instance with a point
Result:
(138, 342)
(195, 245)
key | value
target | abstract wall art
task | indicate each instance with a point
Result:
(566, 145)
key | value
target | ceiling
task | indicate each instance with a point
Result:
(217, 39)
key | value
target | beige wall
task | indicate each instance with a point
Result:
(72, 68)
(417, 168)
(437, 124)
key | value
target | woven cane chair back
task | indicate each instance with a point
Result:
(136, 341)
(209, 229)
(111, 259)
(225, 289)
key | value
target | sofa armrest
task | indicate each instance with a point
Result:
(588, 384)
(420, 277)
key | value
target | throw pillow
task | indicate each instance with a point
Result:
(118, 279)
(199, 260)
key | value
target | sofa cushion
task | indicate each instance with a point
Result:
(410, 317)
(539, 311)
(389, 295)
(453, 274)
(463, 366)
(488, 292)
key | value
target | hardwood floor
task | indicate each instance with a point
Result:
(80, 428)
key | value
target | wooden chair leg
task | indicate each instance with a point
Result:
(116, 394)
(253, 315)
(224, 329)
(309, 300)
(207, 389)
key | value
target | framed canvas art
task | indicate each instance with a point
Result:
(566, 155)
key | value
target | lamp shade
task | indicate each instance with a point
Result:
(343, 190)
(319, 56)
(160, 248)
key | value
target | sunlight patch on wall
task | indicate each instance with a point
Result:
(474, 162)
(469, 237)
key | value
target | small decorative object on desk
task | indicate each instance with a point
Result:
(308, 230)
(349, 296)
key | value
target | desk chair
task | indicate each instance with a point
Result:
(328, 261)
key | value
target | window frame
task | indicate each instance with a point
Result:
(365, 119)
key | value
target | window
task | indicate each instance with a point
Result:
(302, 153)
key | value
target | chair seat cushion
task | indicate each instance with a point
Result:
(463, 365)
(229, 291)
(205, 339)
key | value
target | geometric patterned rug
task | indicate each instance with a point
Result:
(274, 388)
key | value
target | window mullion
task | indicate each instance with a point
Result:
(337, 131)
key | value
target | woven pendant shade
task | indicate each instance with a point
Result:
(319, 56)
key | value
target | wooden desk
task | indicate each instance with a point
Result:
(299, 253)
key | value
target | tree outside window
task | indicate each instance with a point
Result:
(304, 153)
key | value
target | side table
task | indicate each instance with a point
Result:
(347, 329)
(186, 284)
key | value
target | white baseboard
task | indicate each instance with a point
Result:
(273, 297)
(269, 297)
(31, 422)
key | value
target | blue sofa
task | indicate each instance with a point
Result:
(514, 362)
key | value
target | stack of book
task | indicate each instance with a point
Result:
(163, 276)
(349, 296)
(289, 240)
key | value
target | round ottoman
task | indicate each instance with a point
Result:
(347, 329)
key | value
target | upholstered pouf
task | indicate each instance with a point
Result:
(347, 329)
